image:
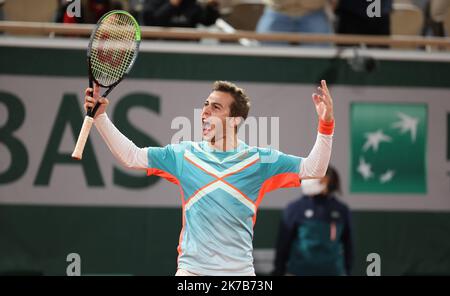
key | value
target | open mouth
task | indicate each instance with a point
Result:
(206, 126)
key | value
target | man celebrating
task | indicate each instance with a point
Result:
(222, 180)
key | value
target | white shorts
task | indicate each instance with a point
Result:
(182, 272)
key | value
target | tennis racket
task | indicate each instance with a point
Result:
(112, 51)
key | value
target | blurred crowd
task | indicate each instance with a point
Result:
(305, 16)
(371, 17)
(165, 13)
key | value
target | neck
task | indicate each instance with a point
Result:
(225, 143)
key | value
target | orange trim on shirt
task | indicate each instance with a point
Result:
(221, 179)
(203, 169)
(241, 169)
(326, 127)
(242, 193)
(180, 239)
(173, 179)
(163, 174)
(284, 180)
(200, 189)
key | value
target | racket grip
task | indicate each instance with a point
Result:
(82, 138)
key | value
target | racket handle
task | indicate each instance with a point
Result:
(82, 138)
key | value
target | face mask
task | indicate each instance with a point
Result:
(312, 187)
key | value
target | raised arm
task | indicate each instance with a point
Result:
(124, 150)
(316, 164)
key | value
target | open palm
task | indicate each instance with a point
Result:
(323, 103)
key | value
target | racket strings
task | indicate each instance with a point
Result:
(118, 31)
(115, 57)
(113, 49)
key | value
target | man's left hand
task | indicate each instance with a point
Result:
(323, 103)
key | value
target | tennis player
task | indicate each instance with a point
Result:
(222, 180)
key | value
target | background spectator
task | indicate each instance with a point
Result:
(435, 14)
(315, 236)
(353, 18)
(62, 16)
(136, 8)
(1, 9)
(303, 16)
(99, 8)
(180, 13)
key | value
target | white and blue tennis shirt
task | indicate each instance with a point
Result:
(220, 195)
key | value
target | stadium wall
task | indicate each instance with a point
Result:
(122, 222)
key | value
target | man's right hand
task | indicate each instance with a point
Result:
(90, 102)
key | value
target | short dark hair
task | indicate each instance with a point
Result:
(241, 105)
(334, 182)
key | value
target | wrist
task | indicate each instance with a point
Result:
(100, 117)
(326, 127)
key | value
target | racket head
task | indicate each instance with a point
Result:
(113, 48)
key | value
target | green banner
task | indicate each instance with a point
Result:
(388, 148)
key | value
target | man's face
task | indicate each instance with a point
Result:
(215, 111)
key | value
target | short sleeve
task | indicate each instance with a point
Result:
(277, 163)
(164, 159)
(280, 170)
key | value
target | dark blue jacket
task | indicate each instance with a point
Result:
(315, 238)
